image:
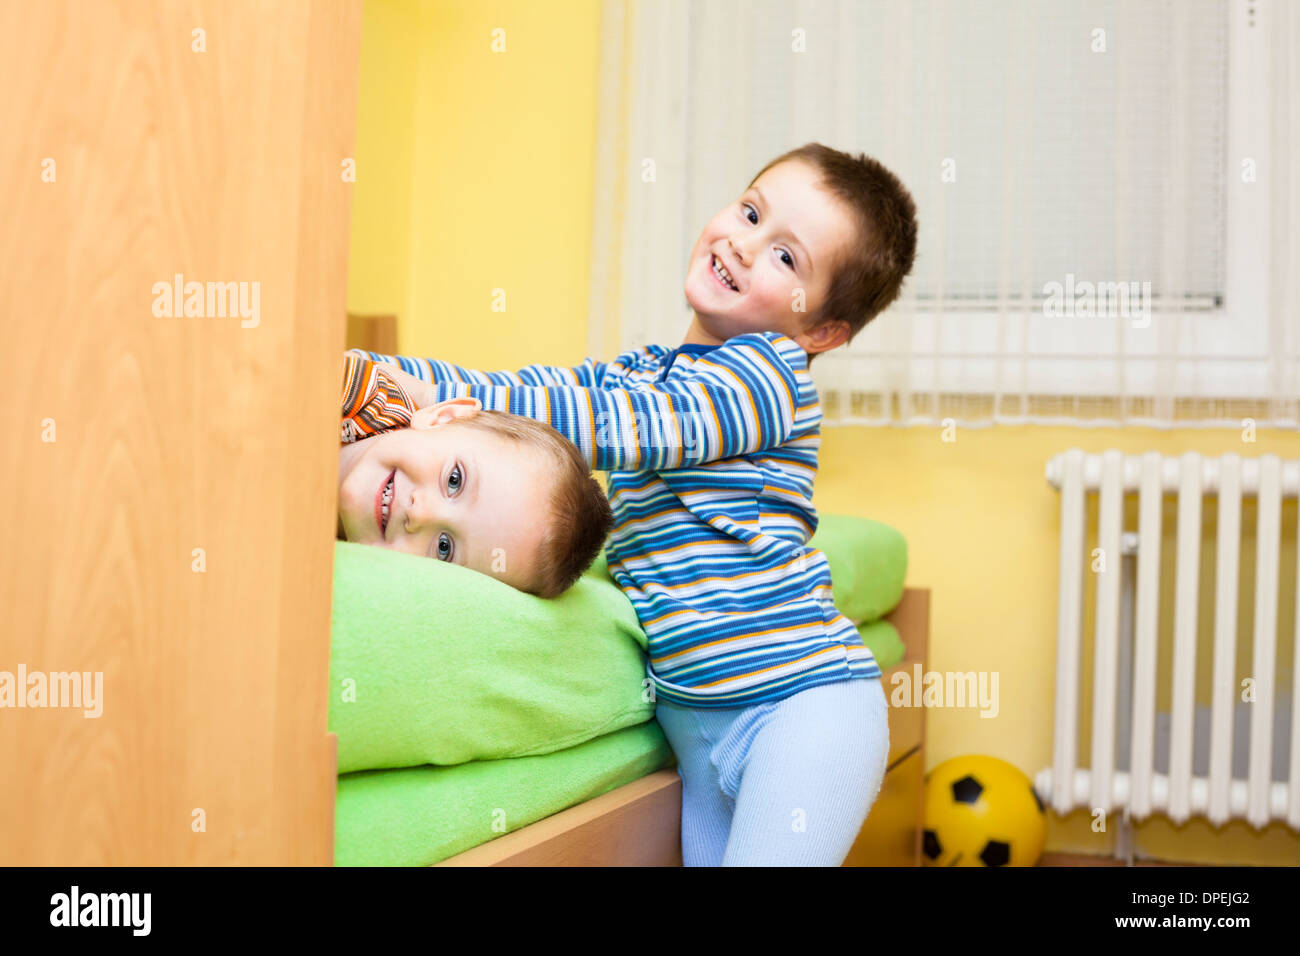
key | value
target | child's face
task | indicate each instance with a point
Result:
(463, 495)
(784, 233)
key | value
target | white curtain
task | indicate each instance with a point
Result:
(1057, 149)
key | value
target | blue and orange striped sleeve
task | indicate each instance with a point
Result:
(586, 375)
(372, 401)
(738, 399)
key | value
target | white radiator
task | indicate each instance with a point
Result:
(1126, 770)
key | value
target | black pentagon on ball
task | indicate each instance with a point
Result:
(930, 845)
(996, 853)
(966, 790)
(1036, 799)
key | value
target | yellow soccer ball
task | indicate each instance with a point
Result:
(981, 811)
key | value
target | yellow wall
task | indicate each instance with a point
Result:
(474, 175)
(492, 154)
(982, 525)
(380, 255)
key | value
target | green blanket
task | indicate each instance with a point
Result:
(420, 815)
(881, 637)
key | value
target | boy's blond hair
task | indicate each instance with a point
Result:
(580, 517)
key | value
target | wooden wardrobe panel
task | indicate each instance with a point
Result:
(172, 434)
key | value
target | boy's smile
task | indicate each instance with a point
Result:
(449, 492)
(785, 233)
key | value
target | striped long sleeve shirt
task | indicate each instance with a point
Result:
(711, 453)
(372, 401)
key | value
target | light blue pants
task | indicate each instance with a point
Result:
(787, 783)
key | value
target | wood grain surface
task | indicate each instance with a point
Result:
(176, 433)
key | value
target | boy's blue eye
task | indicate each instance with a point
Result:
(444, 547)
(455, 479)
(785, 256)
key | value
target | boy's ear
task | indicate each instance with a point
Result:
(824, 337)
(431, 416)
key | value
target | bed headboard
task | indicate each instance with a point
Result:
(373, 333)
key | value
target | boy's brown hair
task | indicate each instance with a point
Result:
(869, 275)
(580, 517)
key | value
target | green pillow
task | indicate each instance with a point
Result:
(431, 663)
(868, 562)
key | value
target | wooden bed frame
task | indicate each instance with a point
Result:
(639, 824)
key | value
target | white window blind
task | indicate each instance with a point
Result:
(1053, 141)
(1092, 87)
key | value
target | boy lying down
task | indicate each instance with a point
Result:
(497, 493)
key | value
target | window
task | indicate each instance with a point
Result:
(1142, 148)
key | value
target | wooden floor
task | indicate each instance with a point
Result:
(1081, 859)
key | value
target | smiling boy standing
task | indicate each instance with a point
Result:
(770, 700)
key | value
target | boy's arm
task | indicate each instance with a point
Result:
(739, 399)
(586, 375)
(372, 400)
